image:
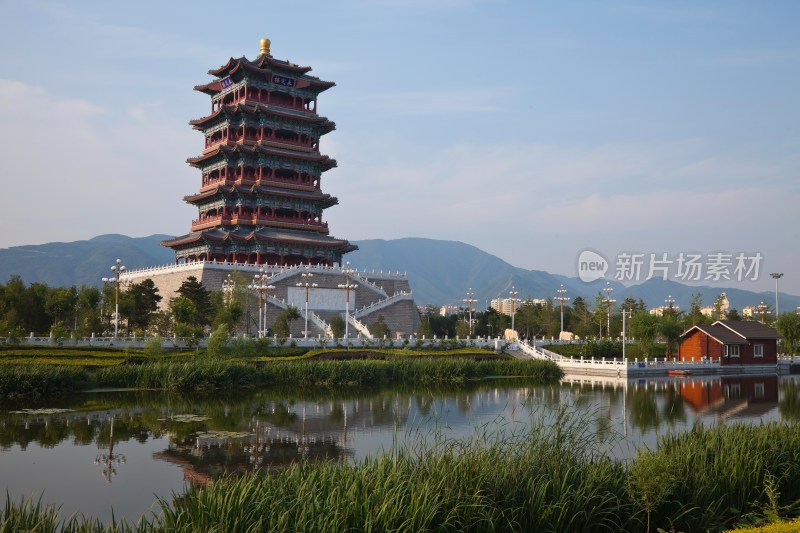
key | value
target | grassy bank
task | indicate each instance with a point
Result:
(204, 374)
(548, 479)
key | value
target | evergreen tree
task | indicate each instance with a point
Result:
(789, 327)
(379, 329)
(194, 291)
(143, 298)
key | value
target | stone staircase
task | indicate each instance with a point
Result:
(381, 304)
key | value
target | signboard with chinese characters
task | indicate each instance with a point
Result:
(226, 83)
(283, 80)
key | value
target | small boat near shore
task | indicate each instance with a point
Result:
(678, 373)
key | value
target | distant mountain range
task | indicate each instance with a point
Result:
(440, 272)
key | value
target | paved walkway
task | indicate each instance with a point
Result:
(518, 354)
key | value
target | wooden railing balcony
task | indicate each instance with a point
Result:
(254, 220)
(291, 145)
(290, 223)
(254, 139)
(250, 180)
(206, 222)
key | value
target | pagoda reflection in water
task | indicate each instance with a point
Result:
(276, 437)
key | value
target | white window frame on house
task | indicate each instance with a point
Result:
(725, 350)
(758, 390)
(734, 351)
(758, 350)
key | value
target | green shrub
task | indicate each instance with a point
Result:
(154, 346)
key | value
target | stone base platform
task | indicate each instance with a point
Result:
(375, 294)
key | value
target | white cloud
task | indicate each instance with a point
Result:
(536, 205)
(75, 170)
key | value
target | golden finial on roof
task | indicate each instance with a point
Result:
(265, 47)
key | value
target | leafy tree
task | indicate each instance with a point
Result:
(184, 311)
(601, 313)
(634, 305)
(719, 302)
(491, 323)
(425, 329)
(733, 314)
(580, 318)
(218, 342)
(462, 329)
(88, 319)
(228, 311)
(645, 328)
(282, 326)
(695, 315)
(60, 304)
(788, 326)
(379, 329)
(161, 323)
(671, 330)
(337, 327)
(200, 297)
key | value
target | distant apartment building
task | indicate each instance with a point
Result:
(756, 312)
(507, 306)
(427, 309)
(447, 310)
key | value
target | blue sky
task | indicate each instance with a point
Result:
(533, 130)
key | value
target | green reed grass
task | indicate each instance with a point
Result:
(551, 477)
(33, 382)
(208, 374)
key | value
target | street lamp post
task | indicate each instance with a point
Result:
(776, 276)
(347, 286)
(470, 301)
(609, 302)
(110, 460)
(228, 286)
(561, 299)
(261, 286)
(307, 275)
(513, 293)
(762, 310)
(671, 305)
(625, 313)
(117, 268)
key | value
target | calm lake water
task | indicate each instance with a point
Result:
(119, 450)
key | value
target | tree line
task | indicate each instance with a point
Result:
(85, 310)
(598, 319)
(195, 311)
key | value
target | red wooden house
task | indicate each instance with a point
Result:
(733, 342)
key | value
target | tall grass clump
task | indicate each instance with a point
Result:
(537, 481)
(725, 472)
(30, 515)
(33, 382)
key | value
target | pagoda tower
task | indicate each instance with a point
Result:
(260, 199)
